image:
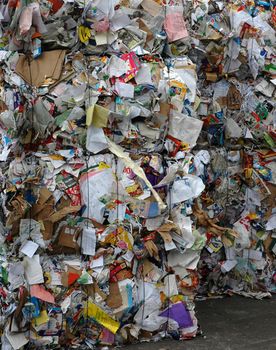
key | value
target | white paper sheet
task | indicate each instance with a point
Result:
(119, 20)
(144, 75)
(117, 67)
(128, 256)
(95, 140)
(33, 270)
(99, 262)
(233, 130)
(170, 286)
(271, 223)
(228, 265)
(188, 260)
(101, 38)
(124, 89)
(184, 128)
(186, 188)
(93, 186)
(17, 340)
(88, 242)
(29, 248)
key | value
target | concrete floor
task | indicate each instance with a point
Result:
(232, 323)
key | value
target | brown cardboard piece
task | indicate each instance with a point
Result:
(267, 242)
(211, 76)
(42, 210)
(36, 71)
(68, 237)
(44, 195)
(165, 229)
(147, 267)
(271, 200)
(63, 212)
(168, 227)
(165, 109)
(114, 299)
(222, 101)
(3, 106)
(47, 233)
(145, 28)
(44, 207)
(92, 289)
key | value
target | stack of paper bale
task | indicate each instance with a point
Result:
(137, 166)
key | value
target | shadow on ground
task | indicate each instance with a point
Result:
(232, 323)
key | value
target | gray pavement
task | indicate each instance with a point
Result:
(231, 323)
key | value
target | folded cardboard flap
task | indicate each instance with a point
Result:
(44, 196)
(36, 71)
(42, 212)
(168, 227)
(63, 212)
(44, 207)
(93, 289)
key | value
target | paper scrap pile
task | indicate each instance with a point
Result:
(137, 165)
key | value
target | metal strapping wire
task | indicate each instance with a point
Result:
(226, 148)
(167, 262)
(31, 141)
(83, 259)
(169, 189)
(88, 203)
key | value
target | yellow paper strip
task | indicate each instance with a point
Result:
(103, 318)
(118, 151)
